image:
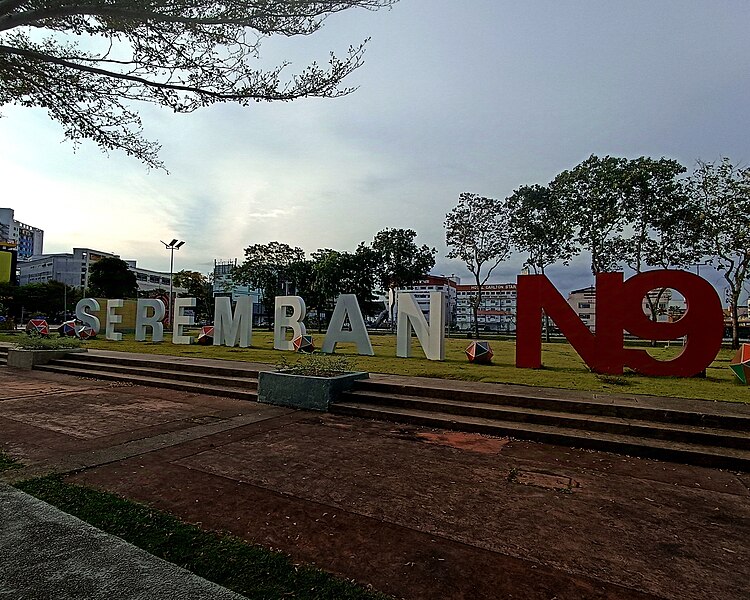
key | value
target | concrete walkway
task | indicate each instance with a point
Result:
(46, 554)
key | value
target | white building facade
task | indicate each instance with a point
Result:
(497, 310)
(72, 269)
(28, 240)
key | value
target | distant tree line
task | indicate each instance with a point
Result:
(641, 213)
(392, 260)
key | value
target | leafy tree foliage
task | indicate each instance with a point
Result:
(272, 269)
(400, 261)
(663, 223)
(87, 62)
(593, 195)
(722, 191)
(339, 273)
(199, 287)
(477, 232)
(541, 226)
(52, 300)
(112, 278)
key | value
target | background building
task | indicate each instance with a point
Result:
(72, 269)
(28, 240)
(434, 283)
(497, 311)
(223, 286)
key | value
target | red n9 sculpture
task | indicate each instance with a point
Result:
(619, 308)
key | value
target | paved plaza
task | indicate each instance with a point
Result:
(416, 513)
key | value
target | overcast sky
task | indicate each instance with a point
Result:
(481, 96)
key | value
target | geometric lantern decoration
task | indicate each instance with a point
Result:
(85, 332)
(37, 327)
(740, 364)
(304, 343)
(206, 335)
(479, 352)
(68, 328)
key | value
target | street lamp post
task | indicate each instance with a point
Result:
(175, 244)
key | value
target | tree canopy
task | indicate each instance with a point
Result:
(271, 268)
(112, 278)
(722, 191)
(541, 226)
(400, 262)
(86, 63)
(477, 232)
(197, 286)
(593, 195)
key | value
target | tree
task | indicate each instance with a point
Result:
(400, 262)
(477, 232)
(722, 190)
(593, 195)
(197, 286)
(52, 299)
(541, 226)
(112, 278)
(87, 63)
(663, 222)
(339, 273)
(269, 267)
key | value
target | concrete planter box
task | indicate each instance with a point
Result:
(303, 391)
(28, 359)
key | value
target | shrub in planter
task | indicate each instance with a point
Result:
(312, 382)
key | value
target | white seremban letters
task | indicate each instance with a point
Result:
(88, 304)
(282, 322)
(347, 305)
(431, 336)
(228, 327)
(154, 321)
(181, 320)
(113, 319)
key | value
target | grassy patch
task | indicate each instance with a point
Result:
(7, 463)
(563, 368)
(246, 569)
(38, 342)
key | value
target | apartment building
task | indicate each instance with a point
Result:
(72, 269)
(434, 283)
(497, 310)
(28, 240)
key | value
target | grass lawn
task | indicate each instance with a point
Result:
(231, 562)
(563, 367)
(6, 462)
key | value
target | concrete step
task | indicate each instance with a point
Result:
(708, 456)
(249, 381)
(609, 406)
(155, 380)
(689, 434)
(163, 362)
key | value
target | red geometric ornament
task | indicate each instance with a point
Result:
(740, 364)
(479, 352)
(85, 332)
(304, 343)
(68, 328)
(206, 335)
(37, 327)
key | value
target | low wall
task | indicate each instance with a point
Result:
(28, 359)
(303, 391)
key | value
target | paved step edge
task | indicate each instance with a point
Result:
(736, 460)
(222, 380)
(608, 409)
(242, 394)
(176, 365)
(604, 424)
